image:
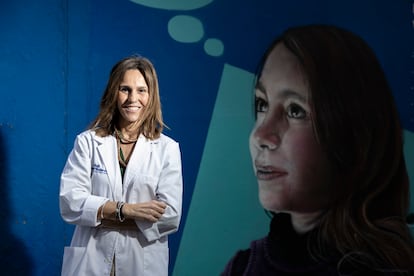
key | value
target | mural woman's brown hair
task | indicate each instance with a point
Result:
(357, 124)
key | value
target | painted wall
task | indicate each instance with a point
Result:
(55, 57)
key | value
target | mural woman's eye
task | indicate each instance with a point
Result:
(260, 105)
(295, 111)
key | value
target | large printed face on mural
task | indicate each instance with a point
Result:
(132, 97)
(290, 167)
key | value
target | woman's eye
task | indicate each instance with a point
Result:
(260, 105)
(124, 89)
(295, 111)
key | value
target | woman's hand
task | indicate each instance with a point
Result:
(150, 211)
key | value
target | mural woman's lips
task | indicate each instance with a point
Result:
(265, 172)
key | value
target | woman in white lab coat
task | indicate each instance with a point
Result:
(122, 183)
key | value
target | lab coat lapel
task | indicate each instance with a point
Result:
(109, 157)
(140, 156)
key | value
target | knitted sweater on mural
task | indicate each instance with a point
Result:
(284, 252)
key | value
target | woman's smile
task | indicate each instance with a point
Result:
(132, 108)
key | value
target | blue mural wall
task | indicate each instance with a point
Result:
(55, 57)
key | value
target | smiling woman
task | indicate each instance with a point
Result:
(122, 182)
(133, 97)
(327, 152)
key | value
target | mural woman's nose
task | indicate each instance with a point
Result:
(266, 134)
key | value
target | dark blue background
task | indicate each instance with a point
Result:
(55, 56)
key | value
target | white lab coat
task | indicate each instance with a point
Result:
(92, 176)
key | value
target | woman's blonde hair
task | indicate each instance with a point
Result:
(151, 123)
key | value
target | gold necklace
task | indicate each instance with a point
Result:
(124, 159)
(124, 140)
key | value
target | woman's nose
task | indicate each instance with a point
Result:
(133, 96)
(266, 134)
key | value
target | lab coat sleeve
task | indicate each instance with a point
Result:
(170, 190)
(77, 204)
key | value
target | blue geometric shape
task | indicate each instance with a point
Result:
(214, 47)
(182, 5)
(225, 213)
(185, 29)
(409, 160)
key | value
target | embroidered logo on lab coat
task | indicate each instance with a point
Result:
(96, 168)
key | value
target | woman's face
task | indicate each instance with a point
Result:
(132, 97)
(291, 169)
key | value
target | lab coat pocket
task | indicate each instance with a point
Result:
(72, 258)
(156, 259)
